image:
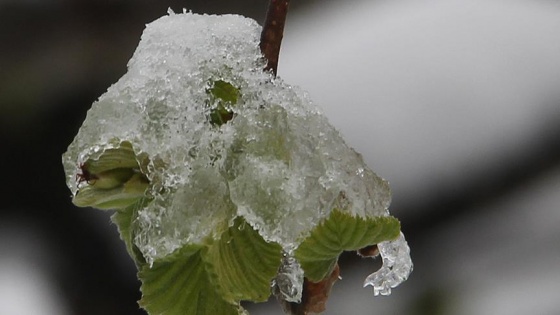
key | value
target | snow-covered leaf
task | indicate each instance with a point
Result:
(341, 232)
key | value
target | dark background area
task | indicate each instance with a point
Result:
(57, 57)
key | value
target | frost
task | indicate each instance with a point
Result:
(275, 160)
(396, 268)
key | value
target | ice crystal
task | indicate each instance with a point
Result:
(396, 268)
(288, 285)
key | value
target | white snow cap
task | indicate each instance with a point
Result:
(277, 162)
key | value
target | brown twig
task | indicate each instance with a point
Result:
(315, 295)
(272, 32)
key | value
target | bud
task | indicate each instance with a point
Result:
(113, 181)
(120, 157)
(119, 197)
(111, 178)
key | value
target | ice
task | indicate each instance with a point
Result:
(396, 268)
(277, 162)
(288, 284)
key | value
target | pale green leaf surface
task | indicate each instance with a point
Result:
(211, 278)
(319, 252)
(243, 263)
(119, 197)
(180, 285)
(120, 157)
(123, 220)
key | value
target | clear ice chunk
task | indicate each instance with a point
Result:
(277, 162)
(397, 266)
(288, 284)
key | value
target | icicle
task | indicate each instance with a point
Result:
(396, 268)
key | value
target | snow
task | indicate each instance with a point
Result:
(278, 162)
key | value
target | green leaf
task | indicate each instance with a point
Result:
(224, 91)
(123, 220)
(120, 157)
(243, 264)
(212, 278)
(341, 231)
(111, 179)
(120, 197)
(180, 285)
(223, 96)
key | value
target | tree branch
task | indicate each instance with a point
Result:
(272, 33)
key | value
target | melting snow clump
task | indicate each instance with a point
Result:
(276, 161)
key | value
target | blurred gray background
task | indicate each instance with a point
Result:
(455, 102)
